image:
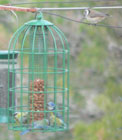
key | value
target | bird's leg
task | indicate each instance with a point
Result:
(94, 24)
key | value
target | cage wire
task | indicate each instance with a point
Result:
(44, 78)
(4, 84)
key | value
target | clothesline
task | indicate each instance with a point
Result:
(24, 9)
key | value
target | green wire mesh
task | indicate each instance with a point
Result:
(4, 83)
(43, 77)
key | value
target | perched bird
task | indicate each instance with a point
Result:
(21, 117)
(41, 124)
(94, 16)
(52, 106)
(55, 117)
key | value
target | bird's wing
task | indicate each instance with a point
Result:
(60, 123)
(24, 132)
(58, 115)
(97, 14)
(35, 127)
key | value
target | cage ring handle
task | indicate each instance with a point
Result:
(38, 13)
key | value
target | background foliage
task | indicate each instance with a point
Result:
(95, 78)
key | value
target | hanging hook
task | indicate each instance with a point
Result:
(17, 20)
(39, 14)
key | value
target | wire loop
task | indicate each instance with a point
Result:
(38, 11)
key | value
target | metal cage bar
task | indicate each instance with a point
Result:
(12, 47)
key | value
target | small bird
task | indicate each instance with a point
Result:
(52, 106)
(41, 124)
(55, 117)
(21, 117)
(94, 16)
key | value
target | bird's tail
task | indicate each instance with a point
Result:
(65, 126)
(108, 15)
(24, 132)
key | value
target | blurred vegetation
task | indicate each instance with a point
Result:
(96, 65)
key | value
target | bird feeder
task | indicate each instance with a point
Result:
(43, 76)
(4, 83)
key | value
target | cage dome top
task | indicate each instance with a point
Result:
(39, 21)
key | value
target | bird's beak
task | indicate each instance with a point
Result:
(15, 114)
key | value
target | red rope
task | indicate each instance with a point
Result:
(22, 9)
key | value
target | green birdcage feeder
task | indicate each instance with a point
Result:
(42, 77)
(4, 83)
